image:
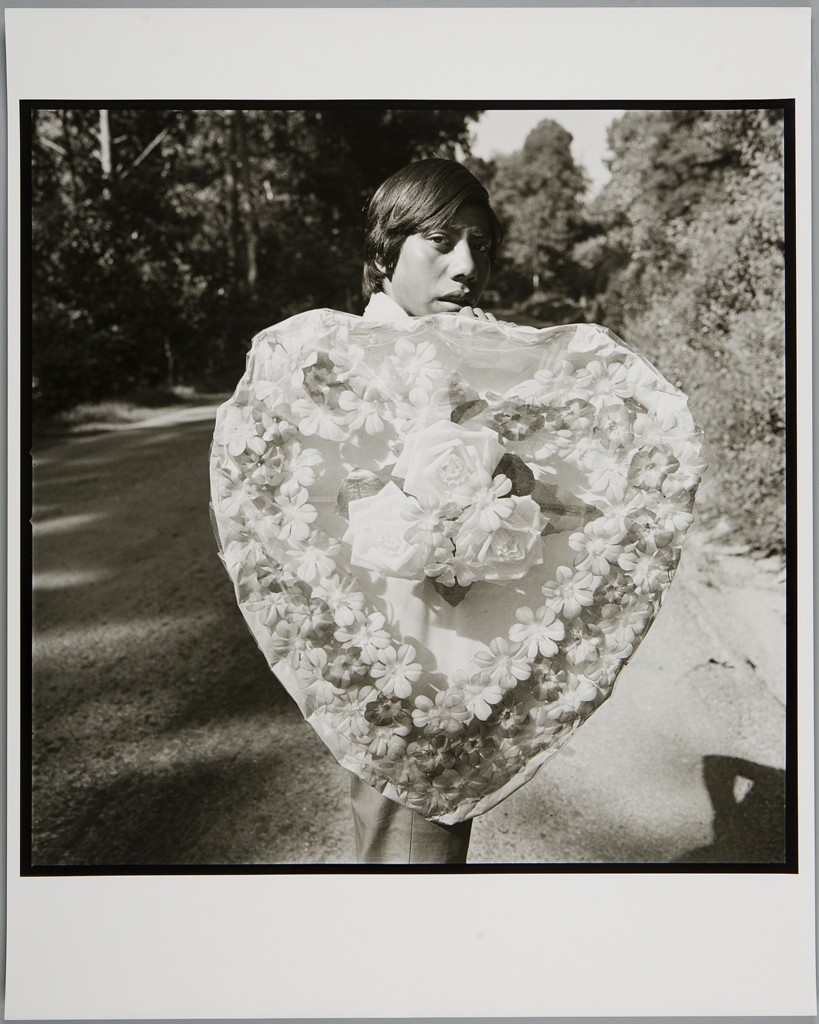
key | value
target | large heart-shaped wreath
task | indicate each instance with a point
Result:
(448, 536)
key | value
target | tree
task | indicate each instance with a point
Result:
(164, 239)
(538, 192)
(688, 260)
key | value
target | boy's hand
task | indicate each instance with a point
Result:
(478, 314)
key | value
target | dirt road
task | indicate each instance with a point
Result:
(160, 736)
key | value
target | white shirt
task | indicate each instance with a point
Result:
(384, 309)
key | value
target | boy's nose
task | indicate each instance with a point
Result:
(463, 266)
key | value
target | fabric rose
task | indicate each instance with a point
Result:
(377, 534)
(511, 551)
(448, 462)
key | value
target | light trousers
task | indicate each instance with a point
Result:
(389, 833)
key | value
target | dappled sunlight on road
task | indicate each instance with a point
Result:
(60, 579)
(42, 526)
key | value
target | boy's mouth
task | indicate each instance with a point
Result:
(458, 299)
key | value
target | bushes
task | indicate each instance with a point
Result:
(700, 212)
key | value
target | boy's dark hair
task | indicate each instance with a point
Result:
(420, 196)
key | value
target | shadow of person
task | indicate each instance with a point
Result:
(749, 813)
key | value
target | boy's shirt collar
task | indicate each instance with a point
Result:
(384, 309)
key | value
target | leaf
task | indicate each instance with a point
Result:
(562, 509)
(523, 479)
(468, 410)
(361, 483)
(452, 595)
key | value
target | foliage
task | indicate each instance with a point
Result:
(688, 264)
(163, 239)
(538, 193)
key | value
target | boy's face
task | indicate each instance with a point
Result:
(445, 268)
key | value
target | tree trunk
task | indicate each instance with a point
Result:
(231, 210)
(69, 153)
(105, 149)
(246, 212)
(168, 364)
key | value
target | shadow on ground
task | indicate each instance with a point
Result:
(749, 813)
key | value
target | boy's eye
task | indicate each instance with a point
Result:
(481, 246)
(439, 238)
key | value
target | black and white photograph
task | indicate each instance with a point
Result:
(450, 500)
(408, 498)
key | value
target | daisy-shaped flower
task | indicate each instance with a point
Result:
(446, 714)
(574, 700)
(269, 609)
(626, 622)
(367, 411)
(286, 641)
(392, 711)
(448, 568)
(347, 714)
(267, 470)
(489, 507)
(427, 756)
(503, 664)
(537, 631)
(649, 469)
(509, 716)
(605, 383)
(287, 359)
(316, 418)
(320, 377)
(617, 588)
(417, 365)
(650, 570)
(369, 636)
(430, 523)
(556, 386)
(474, 751)
(692, 465)
(598, 547)
(570, 592)
(294, 516)
(348, 359)
(311, 671)
(268, 393)
(239, 500)
(313, 562)
(314, 621)
(239, 431)
(621, 512)
(614, 425)
(299, 466)
(546, 727)
(395, 671)
(384, 744)
(673, 511)
(648, 532)
(420, 410)
(298, 609)
(612, 657)
(608, 471)
(345, 602)
(345, 668)
(478, 693)
(661, 426)
(580, 644)
(548, 677)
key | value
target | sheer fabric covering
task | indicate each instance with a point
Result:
(448, 536)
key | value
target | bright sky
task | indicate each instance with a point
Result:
(504, 131)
